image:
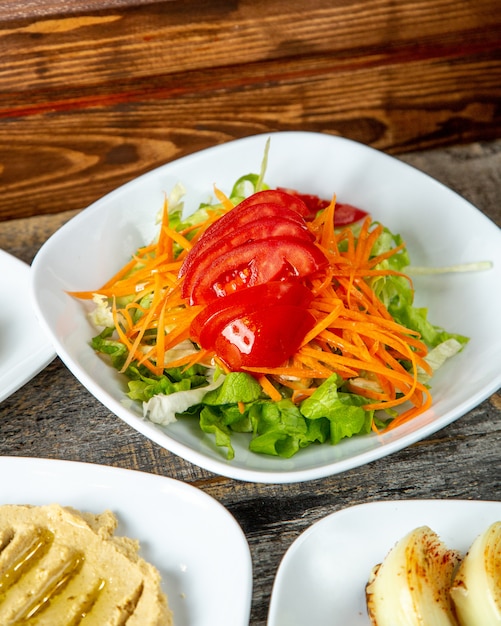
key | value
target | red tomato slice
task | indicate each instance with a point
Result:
(281, 197)
(237, 218)
(200, 259)
(263, 338)
(254, 263)
(210, 321)
(312, 202)
(344, 215)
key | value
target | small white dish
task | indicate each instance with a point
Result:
(25, 348)
(321, 579)
(195, 543)
(440, 229)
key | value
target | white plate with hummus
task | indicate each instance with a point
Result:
(440, 229)
(322, 577)
(25, 348)
(195, 543)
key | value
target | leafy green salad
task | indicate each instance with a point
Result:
(346, 375)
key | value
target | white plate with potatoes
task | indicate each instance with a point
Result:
(323, 576)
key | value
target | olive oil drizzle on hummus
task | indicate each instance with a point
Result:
(60, 567)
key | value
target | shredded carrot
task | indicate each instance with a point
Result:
(269, 388)
(187, 361)
(327, 238)
(354, 335)
(223, 199)
(324, 323)
(165, 244)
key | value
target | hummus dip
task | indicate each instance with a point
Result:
(61, 567)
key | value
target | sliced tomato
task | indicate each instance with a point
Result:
(344, 215)
(236, 219)
(212, 319)
(254, 263)
(263, 338)
(280, 197)
(313, 203)
(200, 260)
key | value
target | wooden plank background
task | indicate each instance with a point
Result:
(96, 93)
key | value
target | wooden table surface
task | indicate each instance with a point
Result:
(55, 417)
(95, 92)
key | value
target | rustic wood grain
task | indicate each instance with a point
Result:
(159, 38)
(51, 164)
(96, 93)
(55, 417)
(12, 10)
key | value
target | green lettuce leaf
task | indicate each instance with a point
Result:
(279, 428)
(211, 422)
(237, 387)
(343, 411)
(396, 293)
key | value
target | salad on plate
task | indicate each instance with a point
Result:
(271, 312)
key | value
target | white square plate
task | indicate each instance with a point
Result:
(25, 348)
(195, 543)
(321, 579)
(439, 227)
